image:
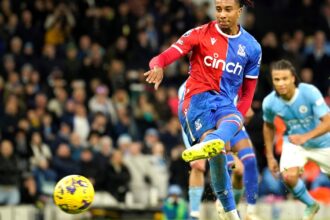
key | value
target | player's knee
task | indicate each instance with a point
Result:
(290, 178)
(237, 118)
(198, 165)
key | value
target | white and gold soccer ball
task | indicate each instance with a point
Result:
(74, 194)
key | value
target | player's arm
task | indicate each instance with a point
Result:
(268, 129)
(251, 73)
(245, 100)
(321, 129)
(268, 134)
(321, 111)
(180, 48)
(156, 73)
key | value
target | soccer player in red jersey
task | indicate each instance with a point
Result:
(225, 59)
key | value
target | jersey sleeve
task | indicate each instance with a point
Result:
(253, 65)
(187, 41)
(320, 108)
(267, 114)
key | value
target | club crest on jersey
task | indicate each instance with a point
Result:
(213, 40)
(198, 124)
(303, 109)
(241, 50)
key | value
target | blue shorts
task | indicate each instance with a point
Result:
(201, 113)
(242, 134)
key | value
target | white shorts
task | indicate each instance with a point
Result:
(297, 156)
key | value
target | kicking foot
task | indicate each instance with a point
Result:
(311, 211)
(203, 150)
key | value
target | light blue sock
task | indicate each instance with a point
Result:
(301, 193)
(250, 176)
(195, 197)
(226, 130)
(221, 183)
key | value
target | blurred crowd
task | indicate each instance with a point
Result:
(73, 98)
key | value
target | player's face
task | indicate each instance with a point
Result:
(227, 13)
(284, 82)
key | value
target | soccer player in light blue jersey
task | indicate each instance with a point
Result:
(307, 137)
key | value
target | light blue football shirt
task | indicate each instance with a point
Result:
(301, 114)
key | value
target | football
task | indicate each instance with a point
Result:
(74, 194)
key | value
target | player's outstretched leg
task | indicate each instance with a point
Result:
(203, 150)
(221, 185)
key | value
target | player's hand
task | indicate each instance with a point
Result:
(298, 139)
(273, 167)
(155, 76)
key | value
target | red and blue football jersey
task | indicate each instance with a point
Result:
(219, 61)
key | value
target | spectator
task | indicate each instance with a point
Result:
(72, 65)
(56, 105)
(81, 123)
(126, 124)
(319, 61)
(178, 168)
(141, 171)
(89, 168)
(10, 118)
(40, 150)
(76, 146)
(100, 102)
(46, 179)
(23, 149)
(171, 135)
(48, 128)
(9, 175)
(145, 114)
(161, 107)
(151, 137)
(117, 177)
(123, 143)
(160, 166)
(175, 207)
(28, 190)
(58, 25)
(63, 164)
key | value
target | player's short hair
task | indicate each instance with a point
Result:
(285, 65)
(248, 3)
